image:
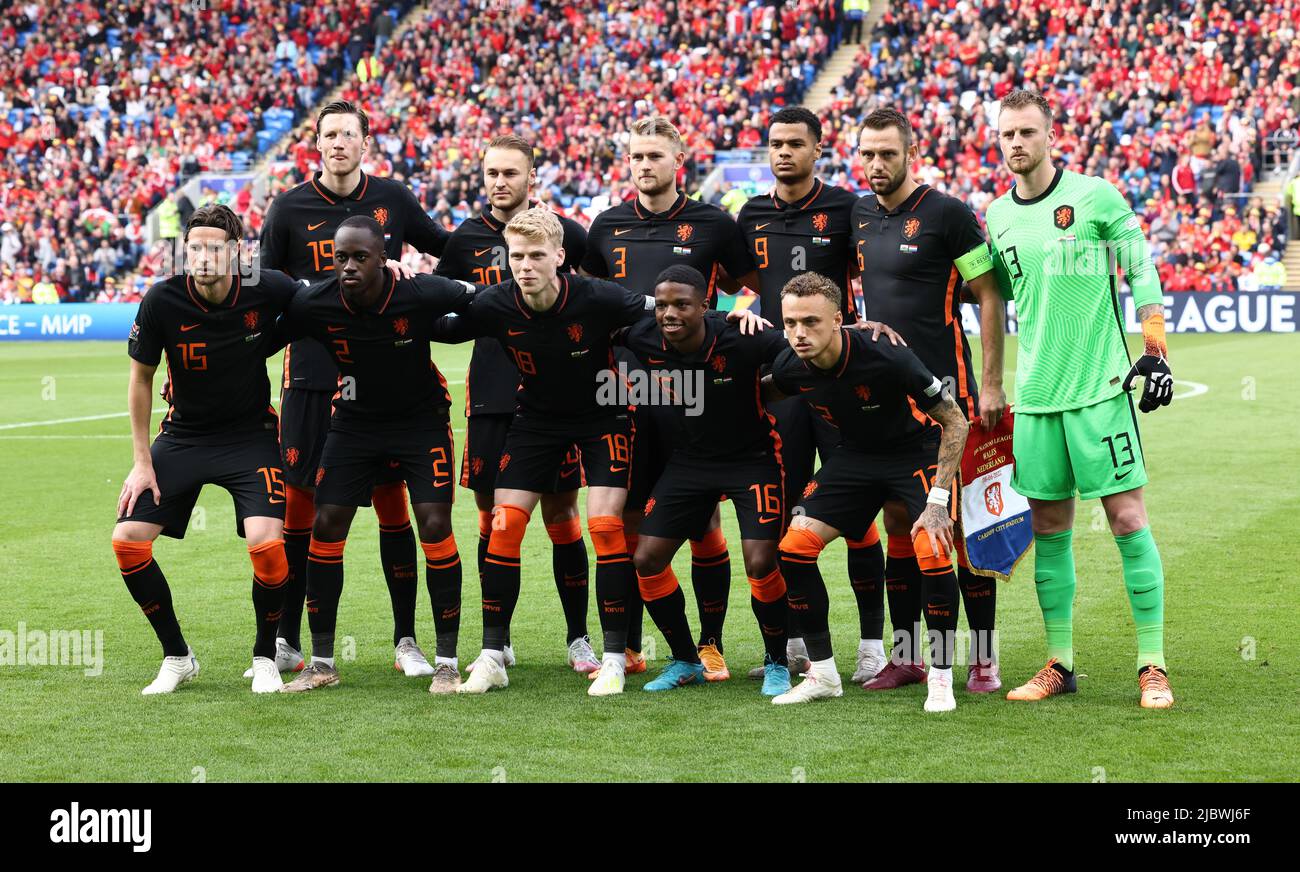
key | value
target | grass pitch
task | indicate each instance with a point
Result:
(1223, 501)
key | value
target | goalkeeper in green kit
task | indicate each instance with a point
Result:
(1056, 236)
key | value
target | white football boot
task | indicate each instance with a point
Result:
(485, 674)
(821, 681)
(612, 677)
(409, 659)
(940, 698)
(174, 672)
(266, 678)
(287, 659)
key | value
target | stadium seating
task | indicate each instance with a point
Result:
(1135, 94)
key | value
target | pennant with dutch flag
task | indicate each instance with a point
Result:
(995, 519)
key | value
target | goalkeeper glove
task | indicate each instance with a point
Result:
(1153, 366)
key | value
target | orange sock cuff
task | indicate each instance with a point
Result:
(713, 544)
(299, 510)
(508, 526)
(607, 536)
(565, 532)
(270, 566)
(801, 542)
(867, 541)
(900, 546)
(441, 555)
(325, 552)
(485, 524)
(931, 563)
(769, 588)
(132, 556)
(657, 586)
(389, 501)
(960, 545)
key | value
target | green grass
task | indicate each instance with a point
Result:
(1223, 500)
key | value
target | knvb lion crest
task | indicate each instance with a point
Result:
(863, 392)
(320, 474)
(505, 461)
(1063, 217)
(381, 215)
(911, 227)
(810, 489)
(820, 220)
(719, 363)
(684, 232)
(476, 465)
(575, 332)
(250, 320)
(649, 506)
(993, 498)
(400, 326)
(291, 456)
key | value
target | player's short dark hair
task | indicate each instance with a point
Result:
(811, 284)
(365, 222)
(681, 274)
(1021, 99)
(343, 107)
(887, 117)
(516, 143)
(219, 216)
(799, 115)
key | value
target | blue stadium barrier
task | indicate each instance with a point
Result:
(67, 321)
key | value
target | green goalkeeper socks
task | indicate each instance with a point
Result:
(1054, 581)
(1144, 579)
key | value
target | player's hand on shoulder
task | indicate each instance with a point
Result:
(403, 271)
(1158, 382)
(141, 478)
(877, 328)
(748, 322)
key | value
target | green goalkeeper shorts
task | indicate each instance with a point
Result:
(1094, 450)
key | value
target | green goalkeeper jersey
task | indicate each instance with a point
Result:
(1054, 256)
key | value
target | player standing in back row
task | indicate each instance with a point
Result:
(632, 243)
(915, 246)
(804, 225)
(1053, 235)
(477, 253)
(298, 238)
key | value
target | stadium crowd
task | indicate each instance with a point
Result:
(95, 130)
(1181, 115)
(105, 108)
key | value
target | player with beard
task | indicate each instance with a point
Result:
(298, 238)
(477, 252)
(1057, 238)
(804, 225)
(915, 247)
(632, 243)
(215, 329)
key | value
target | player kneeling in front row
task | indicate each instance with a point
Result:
(878, 395)
(216, 331)
(706, 376)
(391, 409)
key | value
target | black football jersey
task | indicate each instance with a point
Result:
(877, 393)
(387, 376)
(562, 355)
(790, 239)
(298, 238)
(910, 279)
(476, 252)
(712, 397)
(216, 354)
(630, 245)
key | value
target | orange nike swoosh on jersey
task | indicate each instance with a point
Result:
(185, 328)
(481, 253)
(767, 520)
(807, 389)
(311, 227)
(617, 469)
(441, 483)
(761, 226)
(273, 501)
(568, 473)
(653, 360)
(516, 332)
(624, 230)
(334, 329)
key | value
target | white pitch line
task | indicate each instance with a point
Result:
(68, 420)
(1197, 389)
